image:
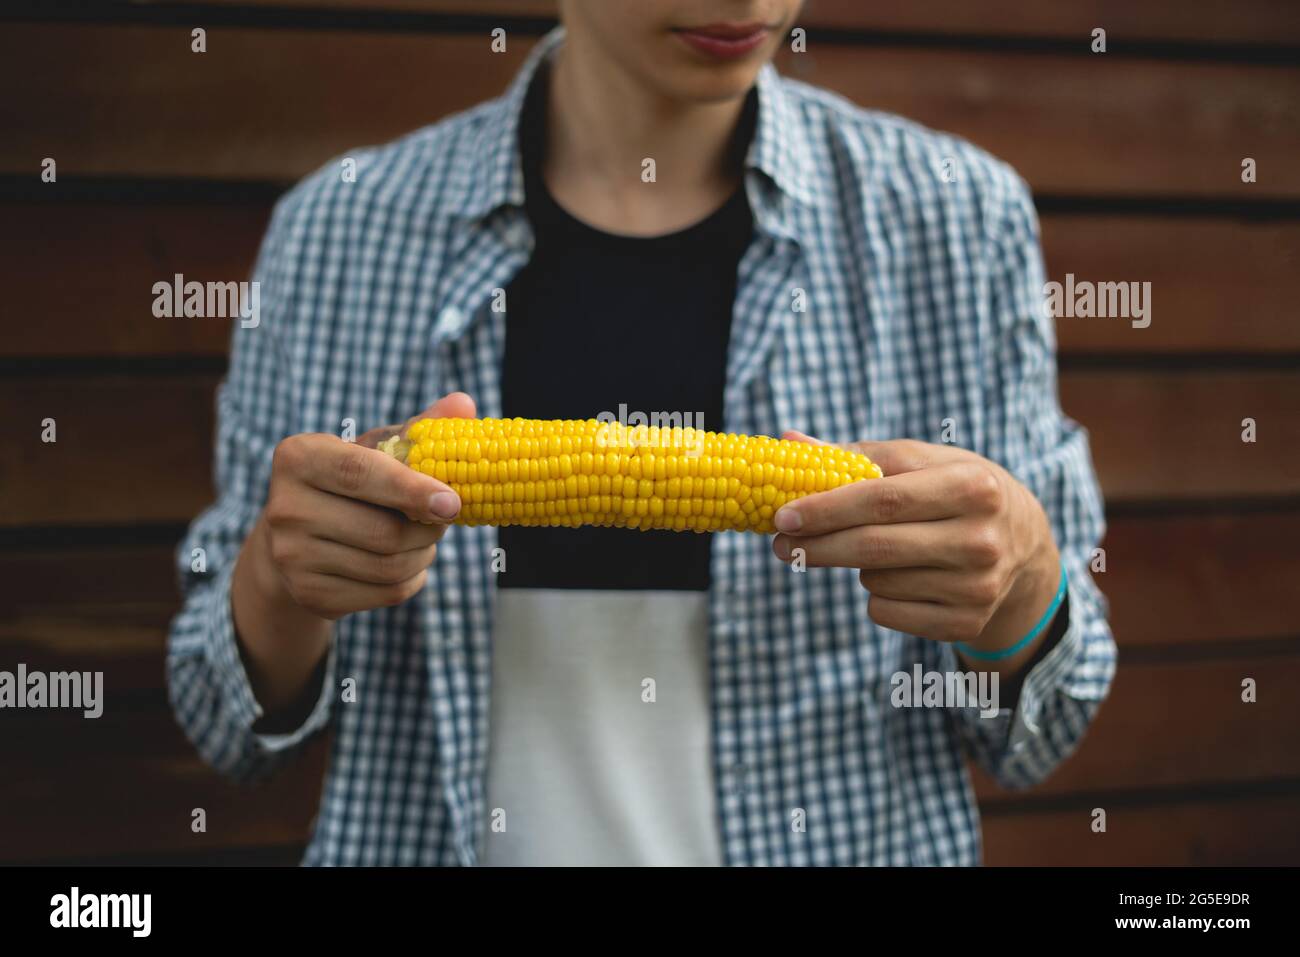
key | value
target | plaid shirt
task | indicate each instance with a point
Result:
(917, 257)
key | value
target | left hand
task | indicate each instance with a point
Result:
(949, 544)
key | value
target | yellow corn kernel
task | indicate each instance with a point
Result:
(586, 472)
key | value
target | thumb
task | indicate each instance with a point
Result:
(455, 405)
(894, 456)
(794, 435)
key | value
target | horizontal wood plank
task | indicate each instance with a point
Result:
(86, 288)
(1167, 726)
(133, 100)
(144, 445)
(1179, 579)
(126, 642)
(1217, 285)
(117, 573)
(83, 803)
(1235, 831)
(128, 450)
(1247, 21)
(1169, 436)
(259, 105)
(1240, 831)
(139, 725)
(1183, 724)
(148, 810)
(548, 9)
(1085, 125)
(107, 607)
(42, 575)
(1253, 21)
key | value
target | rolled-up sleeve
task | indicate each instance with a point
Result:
(1034, 440)
(209, 688)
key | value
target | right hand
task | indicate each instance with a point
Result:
(334, 530)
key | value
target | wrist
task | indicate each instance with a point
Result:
(1036, 585)
(280, 642)
(1033, 590)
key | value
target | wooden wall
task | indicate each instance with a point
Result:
(169, 161)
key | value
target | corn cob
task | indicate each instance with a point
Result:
(588, 472)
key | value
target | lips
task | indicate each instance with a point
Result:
(725, 41)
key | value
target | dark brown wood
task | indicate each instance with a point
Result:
(476, 8)
(84, 274)
(1084, 125)
(1231, 582)
(124, 641)
(276, 104)
(1165, 436)
(1218, 285)
(107, 608)
(119, 573)
(1174, 580)
(81, 800)
(1246, 831)
(90, 608)
(1180, 725)
(128, 450)
(1166, 723)
(1253, 21)
(1262, 21)
(259, 105)
(135, 725)
(1171, 726)
(145, 444)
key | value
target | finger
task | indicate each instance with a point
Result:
(922, 618)
(344, 468)
(922, 544)
(455, 405)
(940, 585)
(896, 456)
(794, 435)
(924, 496)
(893, 456)
(358, 524)
(335, 596)
(374, 568)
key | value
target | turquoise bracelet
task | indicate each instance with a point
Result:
(1043, 622)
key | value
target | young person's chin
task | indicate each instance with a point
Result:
(709, 83)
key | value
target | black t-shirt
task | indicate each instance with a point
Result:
(597, 321)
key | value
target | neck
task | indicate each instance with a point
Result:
(602, 125)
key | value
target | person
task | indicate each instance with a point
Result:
(650, 218)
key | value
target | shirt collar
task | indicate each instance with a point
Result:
(497, 178)
(779, 149)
